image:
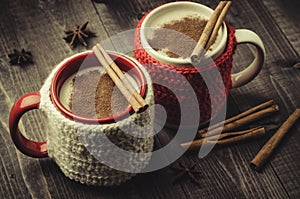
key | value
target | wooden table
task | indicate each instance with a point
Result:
(39, 26)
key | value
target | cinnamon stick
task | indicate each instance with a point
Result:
(242, 121)
(263, 155)
(226, 138)
(122, 82)
(239, 116)
(218, 24)
(219, 12)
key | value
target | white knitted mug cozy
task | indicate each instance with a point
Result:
(73, 145)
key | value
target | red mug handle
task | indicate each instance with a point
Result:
(31, 148)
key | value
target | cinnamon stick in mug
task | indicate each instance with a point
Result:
(267, 150)
(210, 31)
(122, 82)
(218, 24)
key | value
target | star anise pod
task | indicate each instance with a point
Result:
(186, 171)
(79, 34)
(20, 57)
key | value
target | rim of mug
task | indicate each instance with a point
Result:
(60, 77)
(216, 52)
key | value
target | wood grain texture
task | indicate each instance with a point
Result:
(286, 15)
(38, 27)
(278, 81)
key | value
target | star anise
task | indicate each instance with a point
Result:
(186, 171)
(78, 35)
(20, 57)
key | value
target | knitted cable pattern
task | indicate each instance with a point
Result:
(65, 142)
(169, 76)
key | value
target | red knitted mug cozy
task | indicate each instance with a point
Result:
(168, 74)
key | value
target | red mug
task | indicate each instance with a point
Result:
(170, 70)
(64, 144)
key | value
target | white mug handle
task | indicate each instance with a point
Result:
(244, 36)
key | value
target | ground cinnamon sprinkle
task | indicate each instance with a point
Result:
(181, 41)
(93, 97)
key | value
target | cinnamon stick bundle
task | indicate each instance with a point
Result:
(242, 119)
(122, 82)
(267, 150)
(225, 138)
(212, 134)
(210, 31)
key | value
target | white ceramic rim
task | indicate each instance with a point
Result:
(216, 51)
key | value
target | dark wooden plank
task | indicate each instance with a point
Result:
(286, 15)
(269, 180)
(33, 25)
(120, 19)
(13, 79)
(39, 25)
(245, 184)
(278, 81)
(43, 179)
